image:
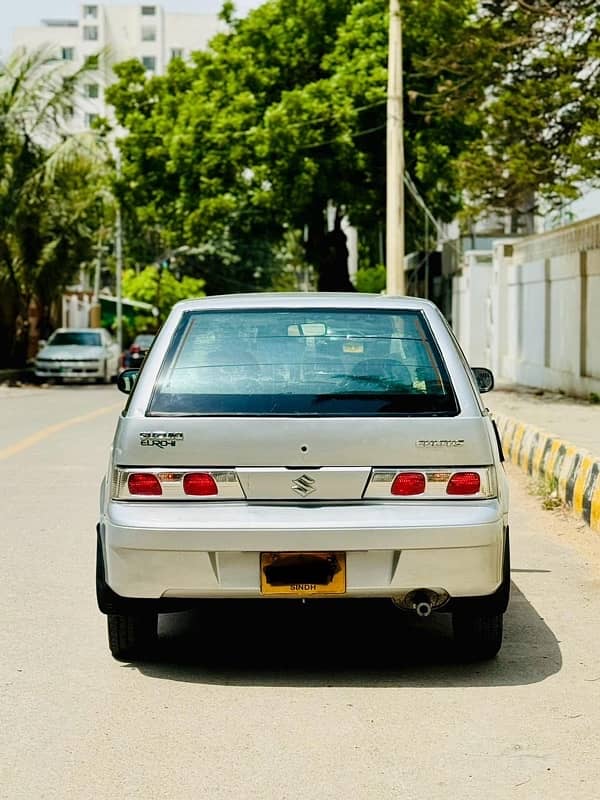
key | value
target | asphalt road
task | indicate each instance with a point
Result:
(354, 702)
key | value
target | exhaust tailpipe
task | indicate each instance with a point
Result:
(423, 608)
(421, 601)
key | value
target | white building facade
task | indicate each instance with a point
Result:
(528, 309)
(146, 32)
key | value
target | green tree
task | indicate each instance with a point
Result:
(526, 77)
(158, 286)
(279, 123)
(50, 184)
(371, 279)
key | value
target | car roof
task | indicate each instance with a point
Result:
(356, 300)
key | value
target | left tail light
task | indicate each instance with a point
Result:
(143, 483)
(175, 484)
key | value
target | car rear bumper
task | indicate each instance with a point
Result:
(174, 550)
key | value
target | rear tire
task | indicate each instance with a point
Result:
(477, 637)
(132, 636)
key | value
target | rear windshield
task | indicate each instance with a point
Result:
(76, 337)
(303, 362)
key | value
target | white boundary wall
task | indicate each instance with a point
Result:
(530, 309)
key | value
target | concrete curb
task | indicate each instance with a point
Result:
(572, 471)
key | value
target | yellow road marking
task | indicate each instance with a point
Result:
(29, 441)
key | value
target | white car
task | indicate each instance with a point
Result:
(78, 353)
(316, 446)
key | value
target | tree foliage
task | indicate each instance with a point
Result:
(50, 190)
(280, 127)
(280, 121)
(527, 76)
(371, 279)
(161, 288)
(243, 160)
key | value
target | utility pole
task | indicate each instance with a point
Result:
(395, 159)
(95, 311)
(99, 249)
(119, 262)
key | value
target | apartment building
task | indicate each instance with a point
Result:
(146, 32)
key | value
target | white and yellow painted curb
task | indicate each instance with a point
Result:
(574, 472)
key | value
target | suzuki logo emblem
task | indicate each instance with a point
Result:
(304, 485)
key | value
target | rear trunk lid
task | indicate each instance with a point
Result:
(288, 459)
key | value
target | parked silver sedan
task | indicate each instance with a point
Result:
(78, 353)
(304, 446)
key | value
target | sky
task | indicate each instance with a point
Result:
(18, 13)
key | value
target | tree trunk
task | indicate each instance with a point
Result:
(328, 252)
(20, 349)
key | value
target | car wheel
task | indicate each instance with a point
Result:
(105, 377)
(132, 636)
(477, 636)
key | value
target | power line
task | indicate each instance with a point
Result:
(337, 138)
(254, 128)
(408, 182)
(302, 123)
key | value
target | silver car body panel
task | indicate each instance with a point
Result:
(211, 548)
(170, 550)
(302, 442)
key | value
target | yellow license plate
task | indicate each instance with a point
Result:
(302, 574)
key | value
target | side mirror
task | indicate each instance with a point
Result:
(126, 380)
(484, 378)
(41, 344)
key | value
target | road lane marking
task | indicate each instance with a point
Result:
(29, 441)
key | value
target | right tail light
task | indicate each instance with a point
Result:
(440, 483)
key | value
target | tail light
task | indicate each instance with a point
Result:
(464, 483)
(441, 483)
(199, 484)
(148, 483)
(143, 483)
(408, 483)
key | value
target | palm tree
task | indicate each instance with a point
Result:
(50, 182)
